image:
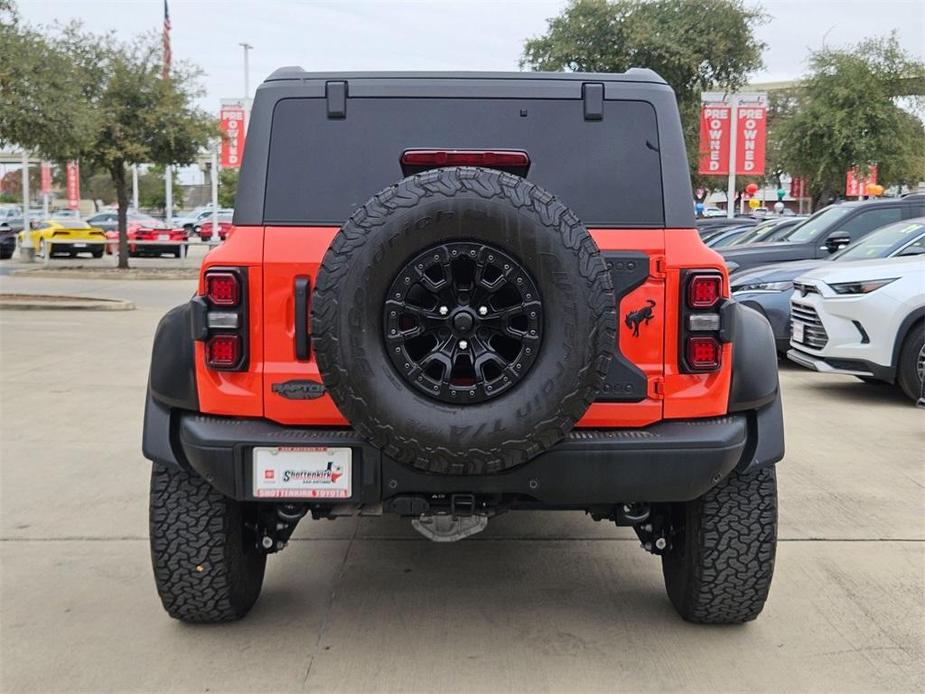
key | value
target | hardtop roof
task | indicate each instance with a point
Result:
(635, 74)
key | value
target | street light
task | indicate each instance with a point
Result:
(247, 82)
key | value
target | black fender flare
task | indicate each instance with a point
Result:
(171, 383)
(755, 386)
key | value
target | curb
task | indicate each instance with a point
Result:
(131, 274)
(50, 302)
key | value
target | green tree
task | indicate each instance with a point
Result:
(119, 111)
(151, 192)
(849, 115)
(41, 95)
(227, 187)
(695, 45)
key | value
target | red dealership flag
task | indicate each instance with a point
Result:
(73, 185)
(856, 183)
(715, 127)
(751, 132)
(232, 127)
(46, 178)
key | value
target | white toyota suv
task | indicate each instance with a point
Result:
(864, 319)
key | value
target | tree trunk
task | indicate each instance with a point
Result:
(118, 178)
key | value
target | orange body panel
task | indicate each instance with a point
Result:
(237, 393)
(689, 396)
(291, 252)
(276, 256)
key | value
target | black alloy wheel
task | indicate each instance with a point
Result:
(463, 322)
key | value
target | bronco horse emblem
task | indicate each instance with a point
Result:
(641, 315)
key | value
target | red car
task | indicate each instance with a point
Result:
(173, 240)
(204, 228)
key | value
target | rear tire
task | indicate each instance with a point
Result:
(719, 569)
(206, 563)
(912, 362)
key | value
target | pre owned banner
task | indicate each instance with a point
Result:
(233, 132)
(716, 128)
(73, 185)
(751, 134)
(856, 183)
(714, 139)
(46, 178)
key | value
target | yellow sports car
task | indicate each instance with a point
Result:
(65, 237)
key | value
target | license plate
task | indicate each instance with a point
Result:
(797, 331)
(305, 473)
(163, 237)
(79, 245)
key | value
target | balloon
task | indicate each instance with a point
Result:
(698, 208)
(751, 188)
(781, 193)
(779, 207)
(874, 189)
(754, 203)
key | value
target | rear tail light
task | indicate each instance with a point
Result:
(220, 319)
(704, 291)
(493, 159)
(701, 326)
(223, 288)
(223, 351)
(703, 353)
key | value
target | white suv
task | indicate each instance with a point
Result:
(864, 319)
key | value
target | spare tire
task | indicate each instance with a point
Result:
(463, 320)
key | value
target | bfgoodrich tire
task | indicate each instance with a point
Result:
(719, 567)
(206, 564)
(550, 360)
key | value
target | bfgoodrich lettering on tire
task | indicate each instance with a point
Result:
(719, 568)
(463, 320)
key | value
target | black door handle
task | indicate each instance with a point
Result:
(302, 345)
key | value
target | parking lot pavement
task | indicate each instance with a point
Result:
(539, 602)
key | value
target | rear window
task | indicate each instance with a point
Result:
(320, 170)
(71, 223)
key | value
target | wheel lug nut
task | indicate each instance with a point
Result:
(463, 344)
(443, 310)
(483, 310)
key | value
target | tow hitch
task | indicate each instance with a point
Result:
(459, 522)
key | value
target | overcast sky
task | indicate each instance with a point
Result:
(432, 35)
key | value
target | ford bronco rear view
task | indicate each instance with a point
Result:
(449, 296)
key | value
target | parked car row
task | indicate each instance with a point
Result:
(844, 291)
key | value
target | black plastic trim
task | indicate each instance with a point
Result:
(156, 438)
(172, 375)
(592, 93)
(765, 437)
(625, 381)
(754, 358)
(668, 461)
(302, 291)
(336, 95)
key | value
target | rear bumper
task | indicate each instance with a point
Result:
(668, 461)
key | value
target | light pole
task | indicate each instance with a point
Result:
(247, 79)
(27, 251)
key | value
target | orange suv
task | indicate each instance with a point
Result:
(452, 295)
